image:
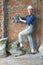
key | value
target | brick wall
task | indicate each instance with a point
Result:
(1, 18)
(41, 16)
(13, 8)
(19, 6)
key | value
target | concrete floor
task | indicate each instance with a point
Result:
(27, 59)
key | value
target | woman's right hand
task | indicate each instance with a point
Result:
(20, 19)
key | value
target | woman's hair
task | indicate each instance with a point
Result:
(30, 7)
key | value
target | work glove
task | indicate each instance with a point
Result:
(16, 18)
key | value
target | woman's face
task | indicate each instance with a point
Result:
(29, 11)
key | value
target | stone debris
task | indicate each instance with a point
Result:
(2, 47)
(13, 49)
(41, 50)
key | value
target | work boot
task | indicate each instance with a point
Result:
(33, 51)
(19, 46)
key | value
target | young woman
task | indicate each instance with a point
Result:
(29, 19)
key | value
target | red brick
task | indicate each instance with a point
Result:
(0, 10)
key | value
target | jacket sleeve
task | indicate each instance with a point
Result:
(24, 18)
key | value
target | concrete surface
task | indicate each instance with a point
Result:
(27, 59)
